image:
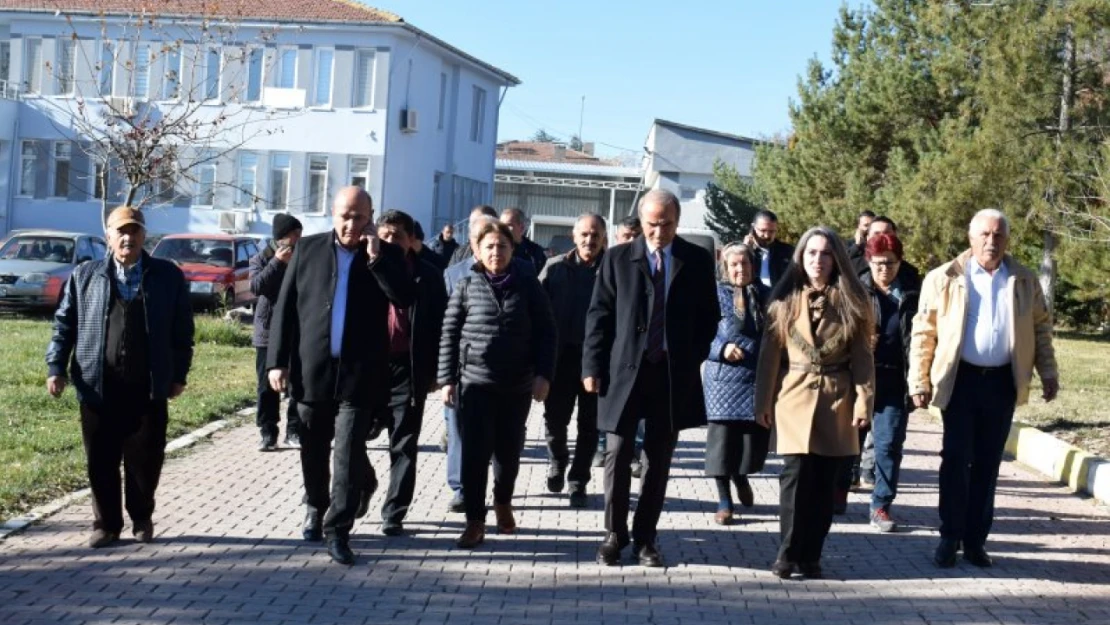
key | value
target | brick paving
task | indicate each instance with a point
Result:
(228, 550)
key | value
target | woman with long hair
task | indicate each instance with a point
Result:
(815, 384)
(735, 444)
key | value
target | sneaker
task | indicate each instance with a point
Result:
(599, 458)
(866, 482)
(293, 440)
(268, 442)
(443, 441)
(457, 504)
(880, 520)
(578, 498)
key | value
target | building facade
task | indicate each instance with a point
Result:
(308, 96)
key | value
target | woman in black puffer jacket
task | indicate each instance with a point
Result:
(497, 353)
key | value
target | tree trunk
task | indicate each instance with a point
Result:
(1048, 258)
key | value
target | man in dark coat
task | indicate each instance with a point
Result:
(524, 248)
(569, 282)
(772, 255)
(414, 333)
(652, 318)
(424, 252)
(859, 240)
(124, 330)
(329, 341)
(445, 244)
(267, 269)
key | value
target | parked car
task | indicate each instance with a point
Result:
(35, 264)
(217, 266)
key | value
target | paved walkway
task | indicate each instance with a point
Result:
(228, 551)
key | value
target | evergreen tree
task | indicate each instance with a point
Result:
(731, 202)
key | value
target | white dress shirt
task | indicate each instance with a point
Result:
(666, 278)
(343, 260)
(764, 265)
(988, 334)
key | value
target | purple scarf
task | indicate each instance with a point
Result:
(500, 283)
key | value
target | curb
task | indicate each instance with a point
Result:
(20, 523)
(1044, 453)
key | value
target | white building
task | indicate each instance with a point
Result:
(681, 158)
(343, 94)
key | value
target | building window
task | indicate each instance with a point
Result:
(140, 75)
(171, 82)
(5, 61)
(286, 69)
(279, 181)
(212, 75)
(165, 186)
(106, 68)
(66, 51)
(28, 155)
(254, 75)
(317, 183)
(359, 170)
(364, 78)
(32, 66)
(442, 99)
(322, 92)
(248, 178)
(62, 156)
(478, 115)
(206, 184)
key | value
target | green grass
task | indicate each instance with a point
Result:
(41, 455)
(1081, 413)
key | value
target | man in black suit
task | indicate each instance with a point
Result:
(652, 317)
(773, 255)
(331, 328)
(414, 333)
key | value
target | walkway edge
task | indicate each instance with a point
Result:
(1083, 472)
(20, 523)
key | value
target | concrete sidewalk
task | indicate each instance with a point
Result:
(228, 550)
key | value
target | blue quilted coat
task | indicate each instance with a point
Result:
(730, 386)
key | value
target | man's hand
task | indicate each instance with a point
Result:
(372, 244)
(860, 422)
(283, 253)
(765, 419)
(733, 353)
(591, 384)
(449, 397)
(921, 400)
(278, 379)
(1051, 386)
(540, 388)
(55, 384)
(176, 389)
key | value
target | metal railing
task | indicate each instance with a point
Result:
(9, 90)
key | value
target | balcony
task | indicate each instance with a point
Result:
(9, 90)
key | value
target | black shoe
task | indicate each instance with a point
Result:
(340, 551)
(391, 528)
(578, 498)
(313, 527)
(811, 570)
(457, 504)
(375, 430)
(364, 498)
(744, 491)
(782, 569)
(609, 553)
(293, 440)
(269, 441)
(648, 555)
(945, 555)
(556, 480)
(978, 556)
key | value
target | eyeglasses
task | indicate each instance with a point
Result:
(885, 264)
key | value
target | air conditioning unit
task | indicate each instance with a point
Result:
(408, 120)
(242, 220)
(227, 221)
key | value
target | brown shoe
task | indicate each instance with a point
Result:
(723, 517)
(102, 538)
(144, 531)
(472, 536)
(506, 524)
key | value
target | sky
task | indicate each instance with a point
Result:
(726, 65)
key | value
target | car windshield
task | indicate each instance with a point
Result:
(43, 249)
(202, 251)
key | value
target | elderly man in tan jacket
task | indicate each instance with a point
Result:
(982, 327)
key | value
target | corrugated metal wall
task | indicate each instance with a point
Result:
(559, 201)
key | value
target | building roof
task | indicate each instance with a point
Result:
(715, 133)
(544, 151)
(293, 11)
(581, 168)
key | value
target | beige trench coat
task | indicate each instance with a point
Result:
(814, 397)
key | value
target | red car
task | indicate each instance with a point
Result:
(217, 266)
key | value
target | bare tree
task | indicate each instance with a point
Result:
(157, 99)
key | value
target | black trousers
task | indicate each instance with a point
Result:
(806, 495)
(333, 489)
(267, 415)
(566, 389)
(492, 425)
(650, 399)
(135, 435)
(403, 418)
(976, 423)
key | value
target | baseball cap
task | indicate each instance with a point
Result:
(125, 215)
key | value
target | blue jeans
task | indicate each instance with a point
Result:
(888, 431)
(454, 450)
